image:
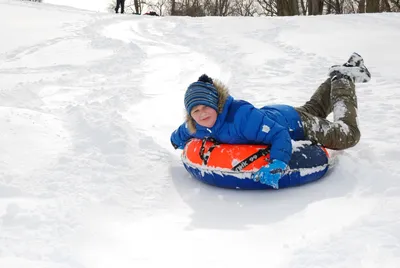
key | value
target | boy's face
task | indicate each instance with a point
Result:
(204, 116)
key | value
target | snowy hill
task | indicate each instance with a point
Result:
(88, 178)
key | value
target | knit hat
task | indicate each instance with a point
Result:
(201, 92)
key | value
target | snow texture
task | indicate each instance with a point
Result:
(89, 179)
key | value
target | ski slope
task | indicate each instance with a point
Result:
(88, 178)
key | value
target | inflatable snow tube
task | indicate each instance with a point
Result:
(231, 166)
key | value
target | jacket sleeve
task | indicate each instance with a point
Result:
(180, 136)
(258, 128)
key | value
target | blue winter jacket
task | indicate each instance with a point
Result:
(241, 123)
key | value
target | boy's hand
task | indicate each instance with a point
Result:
(271, 174)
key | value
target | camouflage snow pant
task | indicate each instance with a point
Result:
(339, 97)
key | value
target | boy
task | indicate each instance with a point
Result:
(212, 112)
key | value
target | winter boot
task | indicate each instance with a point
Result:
(353, 69)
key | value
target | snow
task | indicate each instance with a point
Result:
(88, 178)
(92, 5)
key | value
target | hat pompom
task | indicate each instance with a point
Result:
(205, 78)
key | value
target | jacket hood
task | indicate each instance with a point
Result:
(223, 95)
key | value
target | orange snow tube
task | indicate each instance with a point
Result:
(227, 156)
(231, 165)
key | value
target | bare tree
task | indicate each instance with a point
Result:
(315, 7)
(158, 6)
(396, 4)
(111, 6)
(291, 6)
(350, 6)
(279, 7)
(244, 8)
(173, 8)
(269, 7)
(318, 7)
(341, 6)
(261, 7)
(138, 6)
(302, 8)
(218, 7)
(329, 6)
(193, 8)
(385, 6)
(361, 6)
(372, 6)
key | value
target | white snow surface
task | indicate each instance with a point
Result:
(88, 178)
(92, 5)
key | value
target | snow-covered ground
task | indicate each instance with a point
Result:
(92, 5)
(88, 178)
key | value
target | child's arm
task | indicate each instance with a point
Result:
(256, 127)
(180, 136)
